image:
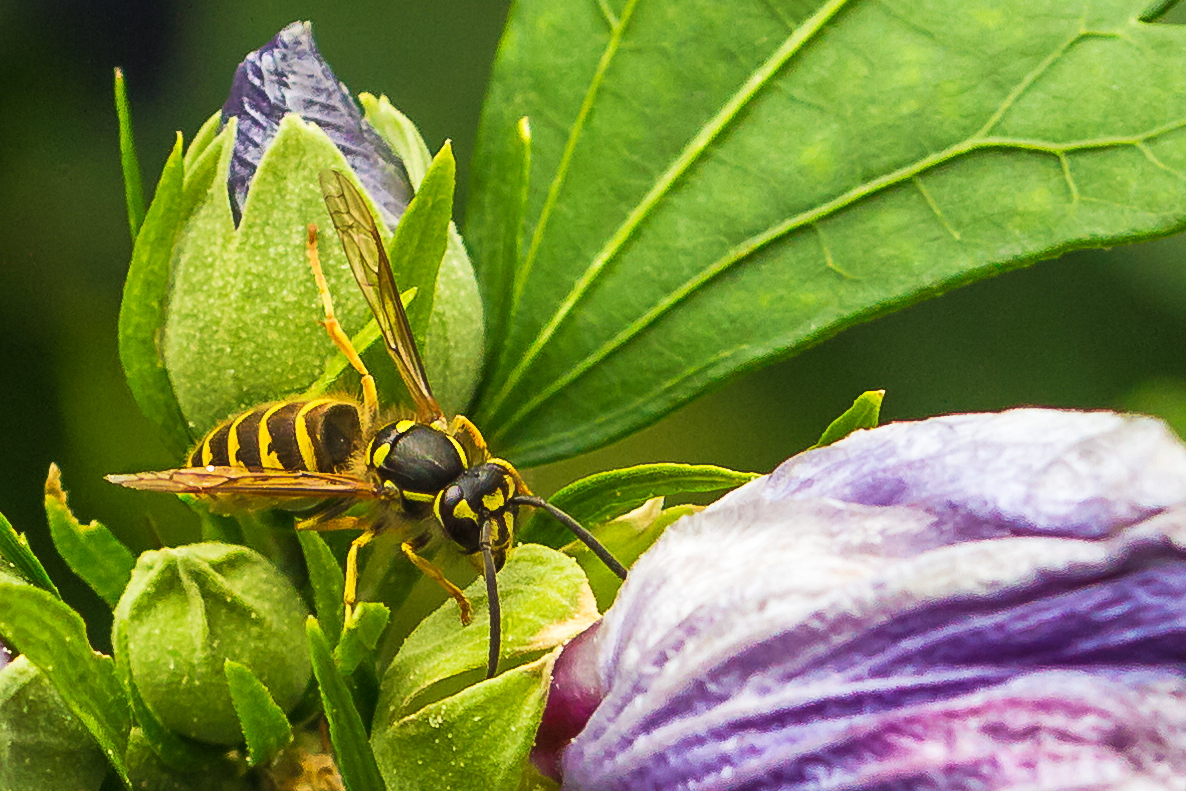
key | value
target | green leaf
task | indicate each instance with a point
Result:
(421, 237)
(128, 161)
(265, 727)
(327, 581)
(545, 602)
(864, 413)
(91, 551)
(144, 306)
(53, 637)
(605, 495)
(361, 635)
(356, 762)
(808, 167)
(14, 548)
(478, 739)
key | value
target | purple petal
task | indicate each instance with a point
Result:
(783, 640)
(5, 656)
(1025, 471)
(288, 75)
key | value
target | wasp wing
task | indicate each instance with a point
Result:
(368, 259)
(273, 484)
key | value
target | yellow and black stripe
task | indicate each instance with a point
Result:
(317, 436)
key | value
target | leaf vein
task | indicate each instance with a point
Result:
(690, 154)
(748, 247)
(939, 215)
(574, 136)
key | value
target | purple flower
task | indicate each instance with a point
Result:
(968, 602)
(5, 656)
(287, 75)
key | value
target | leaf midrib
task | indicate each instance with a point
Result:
(979, 141)
(691, 153)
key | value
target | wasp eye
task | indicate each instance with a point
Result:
(461, 522)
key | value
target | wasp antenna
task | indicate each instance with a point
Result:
(575, 528)
(492, 598)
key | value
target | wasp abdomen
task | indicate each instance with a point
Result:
(318, 436)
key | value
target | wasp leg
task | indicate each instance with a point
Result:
(428, 569)
(350, 593)
(370, 397)
(461, 425)
(324, 525)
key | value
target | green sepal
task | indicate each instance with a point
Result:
(149, 772)
(43, 746)
(626, 537)
(171, 749)
(91, 551)
(212, 526)
(14, 548)
(605, 495)
(185, 611)
(203, 165)
(265, 728)
(128, 161)
(270, 533)
(864, 413)
(356, 762)
(179, 753)
(478, 739)
(361, 635)
(502, 278)
(545, 602)
(205, 135)
(145, 302)
(327, 582)
(400, 133)
(53, 637)
(420, 238)
(243, 321)
(453, 349)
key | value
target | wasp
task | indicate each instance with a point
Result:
(423, 470)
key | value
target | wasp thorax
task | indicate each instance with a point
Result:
(480, 494)
(418, 459)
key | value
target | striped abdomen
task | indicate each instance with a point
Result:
(319, 435)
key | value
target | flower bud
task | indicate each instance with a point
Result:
(43, 746)
(186, 611)
(222, 312)
(973, 601)
(288, 75)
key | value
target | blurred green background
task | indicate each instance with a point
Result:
(1095, 329)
